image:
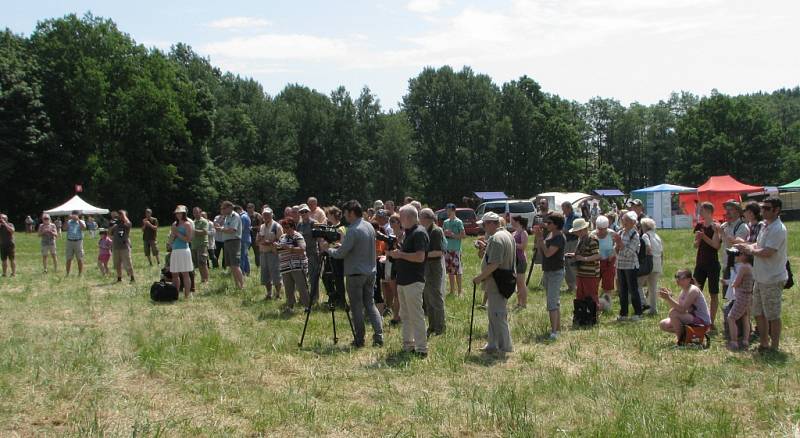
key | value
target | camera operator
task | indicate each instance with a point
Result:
(358, 252)
(410, 265)
(333, 278)
(7, 245)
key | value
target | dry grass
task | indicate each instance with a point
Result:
(82, 357)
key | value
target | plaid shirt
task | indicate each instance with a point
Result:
(628, 256)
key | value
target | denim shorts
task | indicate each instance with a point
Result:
(551, 281)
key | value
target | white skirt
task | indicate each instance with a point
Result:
(180, 261)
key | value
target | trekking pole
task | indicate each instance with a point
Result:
(472, 317)
(530, 269)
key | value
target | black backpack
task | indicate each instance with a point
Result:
(163, 292)
(585, 312)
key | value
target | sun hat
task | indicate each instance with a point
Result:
(181, 209)
(579, 224)
(489, 217)
(601, 222)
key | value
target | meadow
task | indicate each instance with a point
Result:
(89, 357)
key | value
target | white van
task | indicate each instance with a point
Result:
(508, 208)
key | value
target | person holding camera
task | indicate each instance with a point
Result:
(229, 233)
(333, 275)
(293, 265)
(150, 236)
(409, 260)
(707, 240)
(121, 244)
(500, 254)
(552, 248)
(268, 235)
(7, 245)
(48, 234)
(180, 260)
(770, 274)
(358, 252)
(432, 294)
(75, 227)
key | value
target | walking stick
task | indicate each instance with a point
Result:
(530, 268)
(472, 318)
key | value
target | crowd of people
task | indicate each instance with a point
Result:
(397, 263)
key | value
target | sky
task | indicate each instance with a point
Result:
(630, 50)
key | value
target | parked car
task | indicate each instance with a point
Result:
(555, 199)
(508, 208)
(467, 215)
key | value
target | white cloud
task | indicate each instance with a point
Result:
(239, 23)
(425, 6)
(280, 47)
(628, 49)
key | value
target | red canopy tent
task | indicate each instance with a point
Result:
(716, 190)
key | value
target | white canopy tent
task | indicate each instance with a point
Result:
(75, 204)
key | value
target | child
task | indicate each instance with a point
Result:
(743, 297)
(104, 252)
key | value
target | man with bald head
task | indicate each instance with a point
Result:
(410, 265)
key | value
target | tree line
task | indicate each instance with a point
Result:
(82, 103)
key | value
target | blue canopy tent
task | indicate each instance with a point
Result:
(491, 196)
(608, 193)
(662, 208)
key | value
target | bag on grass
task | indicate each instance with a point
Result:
(163, 292)
(584, 313)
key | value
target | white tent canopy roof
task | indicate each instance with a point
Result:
(75, 204)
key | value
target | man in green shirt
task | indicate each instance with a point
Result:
(200, 243)
(455, 233)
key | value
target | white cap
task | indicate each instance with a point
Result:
(489, 217)
(303, 207)
(267, 211)
(601, 222)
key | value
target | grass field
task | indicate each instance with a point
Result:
(87, 357)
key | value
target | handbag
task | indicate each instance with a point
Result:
(506, 281)
(645, 260)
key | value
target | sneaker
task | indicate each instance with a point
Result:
(553, 336)
(622, 318)
(636, 318)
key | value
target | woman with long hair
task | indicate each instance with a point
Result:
(180, 260)
(520, 226)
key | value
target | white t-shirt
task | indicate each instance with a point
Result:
(772, 269)
(653, 241)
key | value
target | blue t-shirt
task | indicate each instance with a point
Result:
(74, 231)
(180, 243)
(245, 226)
(456, 226)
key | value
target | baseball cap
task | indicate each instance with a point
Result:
(267, 211)
(303, 207)
(601, 222)
(489, 217)
(378, 205)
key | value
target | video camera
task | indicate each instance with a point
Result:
(327, 232)
(390, 240)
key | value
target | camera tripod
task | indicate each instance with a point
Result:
(331, 284)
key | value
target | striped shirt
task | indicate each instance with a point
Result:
(628, 256)
(587, 247)
(290, 260)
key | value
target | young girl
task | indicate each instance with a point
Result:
(690, 308)
(743, 297)
(104, 252)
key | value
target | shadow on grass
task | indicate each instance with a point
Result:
(771, 357)
(326, 347)
(486, 359)
(396, 359)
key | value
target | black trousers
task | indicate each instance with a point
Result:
(629, 287)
